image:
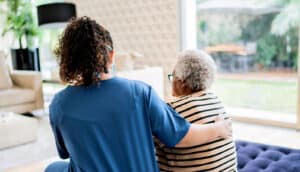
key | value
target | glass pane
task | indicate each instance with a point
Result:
(48, 43)
(255, 46)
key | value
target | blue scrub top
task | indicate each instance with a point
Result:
(108, 126)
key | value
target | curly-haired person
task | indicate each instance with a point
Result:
(104, 123)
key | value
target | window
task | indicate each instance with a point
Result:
(255, 46)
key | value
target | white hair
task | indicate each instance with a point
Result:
(196, 68)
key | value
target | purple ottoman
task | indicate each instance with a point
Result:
(255, 157)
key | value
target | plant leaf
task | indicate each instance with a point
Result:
(288, 18)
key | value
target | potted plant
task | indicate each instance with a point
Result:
(20, 21)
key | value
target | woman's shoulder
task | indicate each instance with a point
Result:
(134, 82)
(176, 100)
(197, 96)
(56, 100)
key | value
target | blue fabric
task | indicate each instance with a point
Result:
(60, 166)
(266, 158)
(109, 126)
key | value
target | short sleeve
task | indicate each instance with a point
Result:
(166, 124)
(60, 145)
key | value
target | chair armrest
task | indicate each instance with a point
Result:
(27, 79)
(31, 80)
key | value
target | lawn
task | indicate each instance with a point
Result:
(278, 96)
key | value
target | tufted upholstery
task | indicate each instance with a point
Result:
(254, 157)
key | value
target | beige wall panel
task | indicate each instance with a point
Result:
(150, 27)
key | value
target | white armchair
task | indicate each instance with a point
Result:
(25, 95)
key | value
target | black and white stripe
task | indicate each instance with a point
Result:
(218, 155)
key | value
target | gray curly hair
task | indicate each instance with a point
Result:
(196, 68)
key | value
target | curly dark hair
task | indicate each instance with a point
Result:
(83, 51)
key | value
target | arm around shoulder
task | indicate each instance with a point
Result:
(200, 134)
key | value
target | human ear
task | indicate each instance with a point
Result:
(111, 57)
(182, 85)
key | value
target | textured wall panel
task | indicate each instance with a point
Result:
(150, 27)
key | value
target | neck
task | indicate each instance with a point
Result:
(105, 76)
(197, 93)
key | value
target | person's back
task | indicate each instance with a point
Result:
(217, 155)
(105, 127)
(192, 78)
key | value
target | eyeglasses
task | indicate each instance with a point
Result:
(170, 77)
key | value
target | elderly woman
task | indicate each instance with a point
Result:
(105, 123)
(193, 75)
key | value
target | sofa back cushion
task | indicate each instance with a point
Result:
(5, 80)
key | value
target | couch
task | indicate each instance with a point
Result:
(254, 157)
(20, 91)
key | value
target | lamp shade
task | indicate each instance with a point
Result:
(55, 15)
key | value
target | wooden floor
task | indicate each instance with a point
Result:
(242, 131)
(34, 167)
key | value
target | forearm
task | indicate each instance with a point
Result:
(200, 134)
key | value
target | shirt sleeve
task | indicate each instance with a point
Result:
(166, 124)
(60, 145)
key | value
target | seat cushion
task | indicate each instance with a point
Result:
(5, 80)
(15, 96)
(266, 158)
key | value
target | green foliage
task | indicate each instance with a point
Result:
(288, 18)
(257, 27)
(293, 42)
(276, 34)
(286, 24)
(203, 26)
(266, 50)
(20, 21)
(209, 34)
(273, 48)
(39, 2)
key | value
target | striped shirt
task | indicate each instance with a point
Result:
(217, 155)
